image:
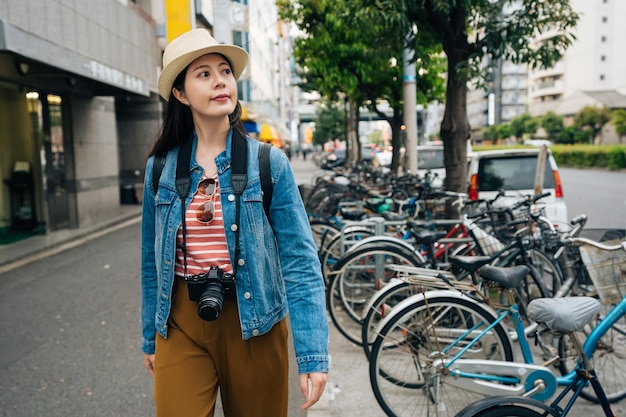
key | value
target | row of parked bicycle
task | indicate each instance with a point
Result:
(444, 308)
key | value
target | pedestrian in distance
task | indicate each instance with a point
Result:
(218, 275)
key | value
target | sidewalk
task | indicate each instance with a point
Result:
(38, 247)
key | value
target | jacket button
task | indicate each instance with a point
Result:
(241, 262)
(246, 295)
(231, 197)
(233, 227)
(255, 332)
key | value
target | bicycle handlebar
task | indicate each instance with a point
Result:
(586, 241)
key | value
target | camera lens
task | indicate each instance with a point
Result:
(211, 301)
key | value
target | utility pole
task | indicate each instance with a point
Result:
(410, 111)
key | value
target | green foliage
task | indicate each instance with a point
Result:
(585, 155)
(619, 120)
(570, 135)
(580, 156)
(523, 124)
(592, 119)
(490, 132)
(503, 130)
(346, 52)
(552, 124)
(473, 33)
(329, 124)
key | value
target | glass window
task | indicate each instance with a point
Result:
(512, 173)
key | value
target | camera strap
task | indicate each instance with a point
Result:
(183, 182)
(238, 180)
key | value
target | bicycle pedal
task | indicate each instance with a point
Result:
(551, 361)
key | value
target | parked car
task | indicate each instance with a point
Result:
(513, 171)
(430, 161)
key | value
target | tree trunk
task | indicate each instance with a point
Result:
(455, 131)
(352, 131)
(396, 141)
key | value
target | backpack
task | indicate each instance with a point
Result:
(264, 170)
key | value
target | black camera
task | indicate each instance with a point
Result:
(209, 289)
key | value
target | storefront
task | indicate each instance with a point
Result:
(60, 162)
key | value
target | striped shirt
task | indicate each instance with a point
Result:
(206, 242)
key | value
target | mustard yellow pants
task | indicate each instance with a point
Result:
(199, 357)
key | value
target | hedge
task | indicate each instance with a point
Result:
(583, 156)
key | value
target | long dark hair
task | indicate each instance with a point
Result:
(178, 123)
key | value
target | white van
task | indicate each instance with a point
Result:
(513, 171)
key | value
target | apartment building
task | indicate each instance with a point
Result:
(592, 67)
(594, 64)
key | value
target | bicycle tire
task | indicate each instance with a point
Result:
(379, 306)
(323, 230)
(402, 375)
(354, 281)
(507, 410)
(332, 251)
(549, 269)
(607, 358)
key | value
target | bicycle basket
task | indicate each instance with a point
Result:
(489, 244)
(607, 270)
(505, 223)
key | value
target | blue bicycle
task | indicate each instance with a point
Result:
(565, 316)
(440, 351)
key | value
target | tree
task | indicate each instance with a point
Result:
(523, 124)
(592, 119)
(471, 31)
(330, 124)
(490, 133)
(619, 120)
(552, 124)
(342, 56)
(503, 130)
(571, 135)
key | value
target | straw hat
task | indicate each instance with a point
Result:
(183, 50)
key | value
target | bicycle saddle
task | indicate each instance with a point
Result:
(567, 314)
(507, 276)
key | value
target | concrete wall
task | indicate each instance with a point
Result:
(95, 158)
(118, 36)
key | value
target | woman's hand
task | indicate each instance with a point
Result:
(148, 362)
(313, 392)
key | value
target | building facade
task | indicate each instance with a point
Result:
(594, 62)
(79, 107)
(76, 99)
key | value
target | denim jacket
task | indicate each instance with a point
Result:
(278, 271)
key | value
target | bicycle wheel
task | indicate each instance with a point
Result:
(608, 358)
(323, 231)
(549, 270)
(334, 248)
(404, 371)
(510, 410)
(356, 278)
(379, 306)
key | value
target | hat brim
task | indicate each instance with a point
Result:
(237, 56)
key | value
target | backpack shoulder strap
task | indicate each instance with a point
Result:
(157, 169)
(266, 177)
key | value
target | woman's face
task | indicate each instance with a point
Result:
(210, 87)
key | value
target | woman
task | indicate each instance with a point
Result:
(276, 270)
